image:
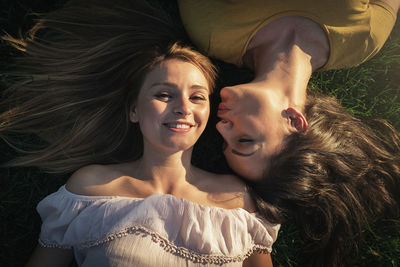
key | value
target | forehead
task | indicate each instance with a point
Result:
(176, 69)
(174, 74)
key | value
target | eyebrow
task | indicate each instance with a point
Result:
(194, 87)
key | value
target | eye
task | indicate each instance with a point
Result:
(245, 140)
(164, 96)
(198, 97)
(245, 144)
(245, 147)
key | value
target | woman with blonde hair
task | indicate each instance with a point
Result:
(114, 99)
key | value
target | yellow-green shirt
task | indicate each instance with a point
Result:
(223, 29)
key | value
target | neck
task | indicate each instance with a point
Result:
(167, 171)
(284, 53)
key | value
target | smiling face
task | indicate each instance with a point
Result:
(254, 123)
(173, 106)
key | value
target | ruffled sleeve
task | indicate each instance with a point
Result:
(58, 211)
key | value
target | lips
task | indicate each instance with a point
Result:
(179, 126)
(222, 109)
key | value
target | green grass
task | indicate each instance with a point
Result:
(372, 89)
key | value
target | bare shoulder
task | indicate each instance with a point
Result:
(239, 188)
(89, 179)
(229, 190)
(228, 181)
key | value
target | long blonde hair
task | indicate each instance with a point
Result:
(82, 67)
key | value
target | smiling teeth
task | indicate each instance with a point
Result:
(179, 126)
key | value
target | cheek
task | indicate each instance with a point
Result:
(203, 113)
(150, 116)
(153, 111)
(148, 127)
(157, 108)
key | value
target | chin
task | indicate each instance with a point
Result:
(180, 146)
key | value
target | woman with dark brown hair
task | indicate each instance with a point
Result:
(283, 43)
(333, 181)
(304, 156)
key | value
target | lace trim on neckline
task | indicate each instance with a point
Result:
(167, 245)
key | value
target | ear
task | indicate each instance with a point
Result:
(133, 116)
(298, 122)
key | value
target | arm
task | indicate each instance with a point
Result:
(50, 257)
(258, 260)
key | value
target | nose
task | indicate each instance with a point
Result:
(224, 127)
(182, 106)
(229, 94)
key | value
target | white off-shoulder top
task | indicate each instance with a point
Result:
(159, 230)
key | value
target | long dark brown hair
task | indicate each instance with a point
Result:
(332, 181)
(81, 68)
